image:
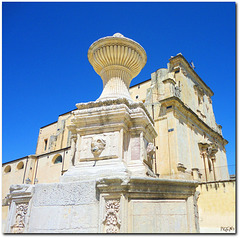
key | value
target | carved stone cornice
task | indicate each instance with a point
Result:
(112, 102)
(112, 114)
(180, 61)
(169, 80)
(189, 113)
(154, 187)
(22, 191)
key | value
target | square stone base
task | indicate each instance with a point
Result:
(106, 205)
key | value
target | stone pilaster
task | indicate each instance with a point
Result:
(19, 200)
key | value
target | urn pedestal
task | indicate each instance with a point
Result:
(112, 139)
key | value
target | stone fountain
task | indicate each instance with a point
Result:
(110, 136)
(110, 186)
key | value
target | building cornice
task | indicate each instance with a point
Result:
(25, 157)
(40, 155)
(191, 114)
(139, 83)
(180, 59)
(37, 156)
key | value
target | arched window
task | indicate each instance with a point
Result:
(20, 165)
(57, 159)
(7, 169)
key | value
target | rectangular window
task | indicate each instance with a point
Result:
(169, 107)
(45, 144)
(138, 86)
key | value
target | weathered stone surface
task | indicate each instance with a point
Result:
(64, 194)
(64, 219)
(64, 208)
(162, 216)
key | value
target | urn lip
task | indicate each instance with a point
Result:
(117, 39)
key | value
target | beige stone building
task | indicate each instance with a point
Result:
(189, 145)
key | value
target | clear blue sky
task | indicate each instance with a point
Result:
(45, 69)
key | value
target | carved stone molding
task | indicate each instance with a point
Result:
(136, 187)
(111, 219)
(111, 103)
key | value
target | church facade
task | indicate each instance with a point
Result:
(189, 144)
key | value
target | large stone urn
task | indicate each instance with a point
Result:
(117, 60)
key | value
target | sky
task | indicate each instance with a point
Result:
(45, 70)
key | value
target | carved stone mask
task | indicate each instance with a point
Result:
(97, 146)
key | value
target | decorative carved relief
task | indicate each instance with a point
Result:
(150, 151)
(208, 151)
(177, 91)
(212, 150)
(19, 224)
(111, 220)
(97, 146)
(73, 148)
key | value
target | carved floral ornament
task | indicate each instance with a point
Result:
(19, 223)
(111, 219)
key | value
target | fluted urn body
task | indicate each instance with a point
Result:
(117, 60)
